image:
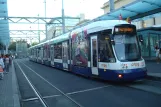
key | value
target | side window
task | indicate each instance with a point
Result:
(105, 49)
(58, 51)
(48, 51)
(52, 52)
(44, 54)
(41, 54)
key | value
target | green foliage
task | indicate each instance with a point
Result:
(34, 43)
(2, 46)
(12, 46)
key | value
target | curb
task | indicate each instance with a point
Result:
(153, 77)
(15, 88)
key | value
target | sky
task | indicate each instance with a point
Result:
(91, 8)
(73, 8)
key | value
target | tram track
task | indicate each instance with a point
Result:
(84, 90)
(147, 86)
(33, 88)
(39, 96)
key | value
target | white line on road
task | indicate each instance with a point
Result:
(53, 85)
(91, 89)
(45, 97)
(30, 99)
(51, 96)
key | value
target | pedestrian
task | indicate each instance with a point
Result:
(1, 67)
(6, 62)
(157, 54)
(10, 60)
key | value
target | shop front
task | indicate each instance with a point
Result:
(151, 38)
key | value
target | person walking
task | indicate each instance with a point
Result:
(7, 61)
(10, 59)
(157, 54)
(1, 67)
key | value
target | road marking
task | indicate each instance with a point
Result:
(91, 89)
(45, 97)
(30, 99)
(51, 96)
(53, 86)
(33, 88)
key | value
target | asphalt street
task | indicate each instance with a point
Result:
(85, 92)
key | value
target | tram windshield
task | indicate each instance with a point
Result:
(126, 47)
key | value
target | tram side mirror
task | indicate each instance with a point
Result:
(112, 39)
(141, 38)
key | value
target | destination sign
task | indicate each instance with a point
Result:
(124, 29)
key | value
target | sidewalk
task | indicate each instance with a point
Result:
(154, 69)
(9, 89)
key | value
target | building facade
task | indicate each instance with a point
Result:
(4, 26)
(148, 22)
(21, 49)
(117, 4)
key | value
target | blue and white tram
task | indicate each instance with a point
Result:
(106, 49)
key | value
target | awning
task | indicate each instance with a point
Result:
(135, 10)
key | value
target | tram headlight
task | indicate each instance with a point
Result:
(119, 75)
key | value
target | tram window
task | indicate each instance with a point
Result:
(105, 49)
(52, 52)
(48, 51)
(58, 51)
(41, 52)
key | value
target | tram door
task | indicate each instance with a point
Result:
(65, 55)
(52, 55)
(94, 55)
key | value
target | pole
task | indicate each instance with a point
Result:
(63, 20)
(38, 29)
(45, 7)
(45, 20)
(30, 36)
(111, 5)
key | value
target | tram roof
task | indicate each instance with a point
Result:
(139, 9)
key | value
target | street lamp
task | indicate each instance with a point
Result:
(63, 20)
(38, 29)
(30, 36)
(45, 20)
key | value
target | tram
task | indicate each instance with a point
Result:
(107, 49)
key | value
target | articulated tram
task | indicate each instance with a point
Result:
(107, 49)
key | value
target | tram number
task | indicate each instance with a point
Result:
(142, 63)
(135, 64)
(104, 65)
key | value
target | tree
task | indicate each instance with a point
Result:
(2, 46)
(34, 43)
(12, 46)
